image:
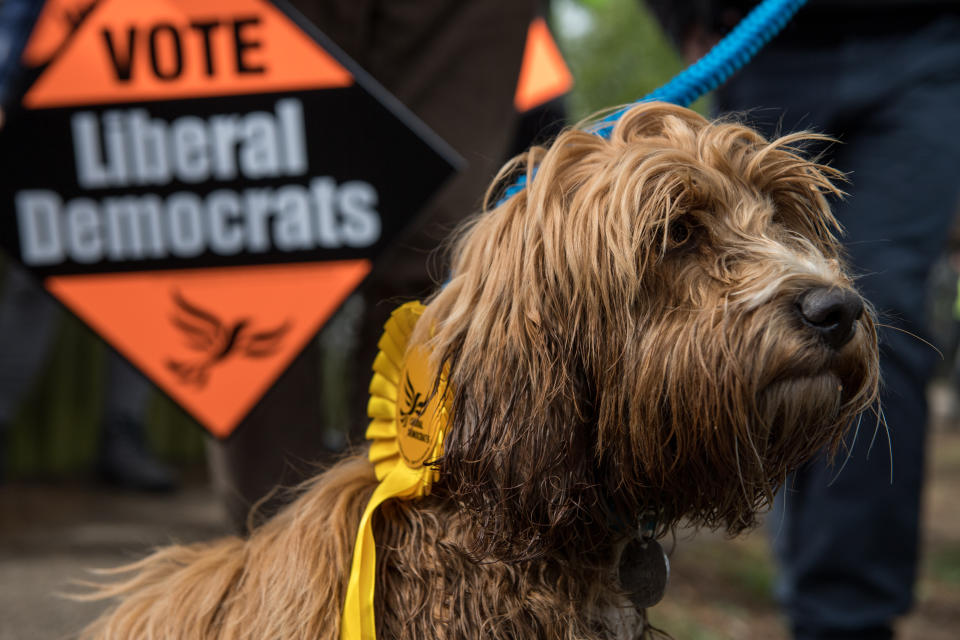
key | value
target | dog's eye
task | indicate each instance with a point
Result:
(680, 232)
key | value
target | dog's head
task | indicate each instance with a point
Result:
(658, 325)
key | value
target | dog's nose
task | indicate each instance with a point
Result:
(831, 312)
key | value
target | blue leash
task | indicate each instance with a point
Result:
(759, 26)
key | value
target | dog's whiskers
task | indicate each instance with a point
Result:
(912, 335)
(849, 449)
(882, 417)
(882, 421)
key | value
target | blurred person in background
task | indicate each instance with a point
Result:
(884, 78)
(29, 318)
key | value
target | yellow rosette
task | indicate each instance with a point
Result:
(408, 417)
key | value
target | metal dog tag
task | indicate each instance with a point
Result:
(644, 572)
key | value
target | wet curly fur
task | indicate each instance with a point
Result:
(622, 338)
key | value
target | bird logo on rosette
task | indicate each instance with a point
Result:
(414, 402)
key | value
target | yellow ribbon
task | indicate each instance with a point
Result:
(408, 416)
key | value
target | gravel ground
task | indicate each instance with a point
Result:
(52, 534)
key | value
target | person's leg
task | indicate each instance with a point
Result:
(277, 446)
(125, 458)
(28, 319)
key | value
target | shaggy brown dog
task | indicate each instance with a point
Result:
(658, 324)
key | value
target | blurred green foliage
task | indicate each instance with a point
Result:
(621, 57)
(943, 564)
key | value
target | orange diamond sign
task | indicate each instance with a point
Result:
(544, 74)
(204, 182)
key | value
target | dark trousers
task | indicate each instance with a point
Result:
(847, 539)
